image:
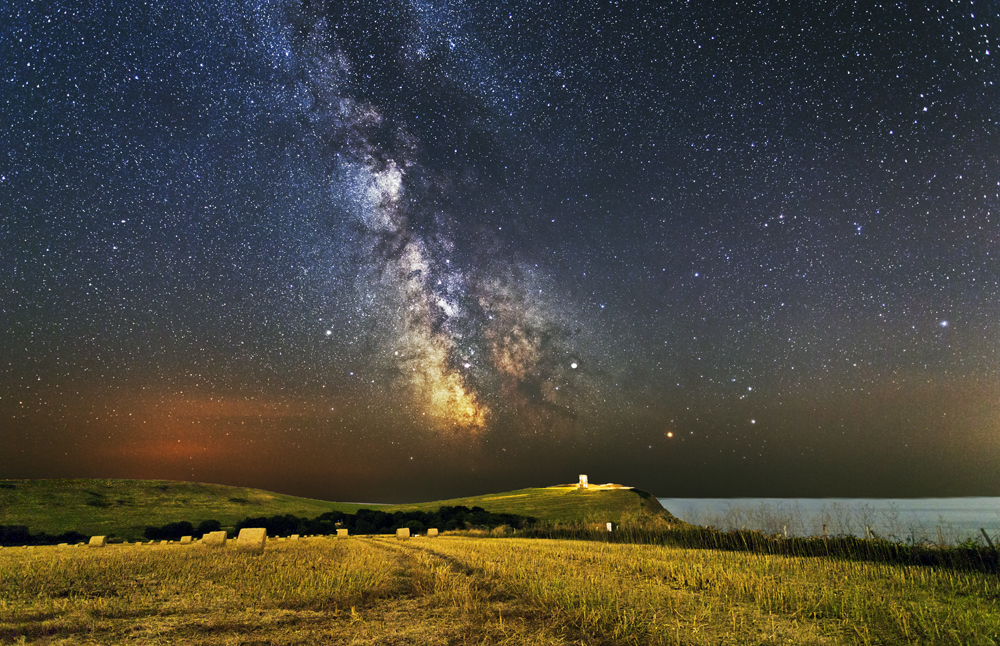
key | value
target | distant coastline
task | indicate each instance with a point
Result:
(948, 520)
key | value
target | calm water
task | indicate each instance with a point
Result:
(932, 519)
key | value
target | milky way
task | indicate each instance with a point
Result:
(469, 345)
(338, 248)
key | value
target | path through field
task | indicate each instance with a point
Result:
(440, 598)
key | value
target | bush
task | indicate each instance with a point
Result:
(207, 527)
(169, 532)
(373, 521)
(14, 535)
(19, 535)
(415, 526)
(280, 525)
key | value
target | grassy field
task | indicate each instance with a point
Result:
(463, 590)
(125, 507)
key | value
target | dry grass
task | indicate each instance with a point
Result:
(452, 590)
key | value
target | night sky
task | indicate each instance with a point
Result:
(387, 250)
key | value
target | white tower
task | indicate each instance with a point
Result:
(583, 482)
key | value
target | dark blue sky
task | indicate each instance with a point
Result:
(380, 250)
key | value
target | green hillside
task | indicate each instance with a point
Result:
(558, 504)
(125, 507)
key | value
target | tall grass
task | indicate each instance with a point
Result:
(966, 556)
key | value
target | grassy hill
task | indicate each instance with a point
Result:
(125, 507)
(558, 504)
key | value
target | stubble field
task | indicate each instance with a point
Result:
(468, 590)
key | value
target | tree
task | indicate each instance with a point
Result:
(207, 527)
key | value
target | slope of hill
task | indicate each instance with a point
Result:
(124, 508)
(564, 504)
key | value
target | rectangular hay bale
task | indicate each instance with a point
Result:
(403, 533)
(432, 532)
(252, 538)
(98, 541)
(293, 537)
(341, 533)
(186, 540)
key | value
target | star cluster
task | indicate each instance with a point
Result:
(333, 247)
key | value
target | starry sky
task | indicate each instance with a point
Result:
(399, 250)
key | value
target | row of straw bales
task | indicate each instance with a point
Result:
(249, 538)
(403, 533)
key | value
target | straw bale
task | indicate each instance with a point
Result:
(432, 532)
(98, 541)
(215, 538)
(186, 540)
(341, 533)
(403, 533)
(252, 538)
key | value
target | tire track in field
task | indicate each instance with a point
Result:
(478, 610)
(458, 566)
(408, 574)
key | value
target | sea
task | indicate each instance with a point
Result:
(936, 520)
